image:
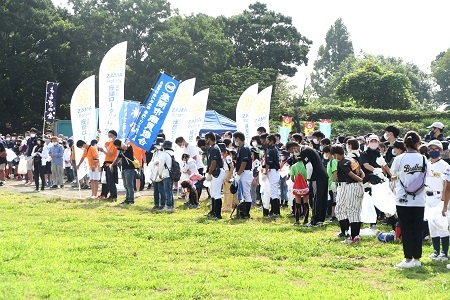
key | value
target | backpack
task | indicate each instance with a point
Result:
(418, 184)
(175, 170)
(300, 187)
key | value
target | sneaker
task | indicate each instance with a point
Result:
(49, 183)
(448, 266)
(156, 207)
(126, 203)
(61, 186)
(93, 197)
(167, 209)
(441, 257)
(406, 264)
(137, 195)
(417, 263)
(434, 255)
(348, 240)
(343, 235)
(333, 219)
(357, 239)
(297, 224)
(54, 187)
(426, 238)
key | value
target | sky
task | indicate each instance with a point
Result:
(414, 30)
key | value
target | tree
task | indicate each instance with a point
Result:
(193, 46)
(374, 87)
(265, 39)
(228, 86)
(337, 48)
(33, 49)
(440, 69)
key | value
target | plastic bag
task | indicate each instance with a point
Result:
(368, 213)
(383, 198)
(22, 167)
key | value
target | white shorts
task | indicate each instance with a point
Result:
(94, 175)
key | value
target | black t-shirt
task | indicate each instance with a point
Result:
(244, 155)
(214, 154)
(369, 156)
(309, 155)
(344, 168)
(30, 145)
(272, 158)
(127, 162)
(2, 149)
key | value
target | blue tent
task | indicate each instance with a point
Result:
(217, 123)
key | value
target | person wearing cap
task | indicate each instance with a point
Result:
(215, 174)
(91, 154)
(126, 155)
(434, 198)
(39, 155)
(158, 186)
(56, 152)
(112, 177)
(164, 165)
(436, 132)
(243, 172)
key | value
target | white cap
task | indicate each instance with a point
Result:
(373, 137)
(435, 143)
(437, 125)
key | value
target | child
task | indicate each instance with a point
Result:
(191, 193)
(350, 193)
(284, 172)
(301, 197)
(332, 176)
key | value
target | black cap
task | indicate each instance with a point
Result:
(167, 145)
(159, 141)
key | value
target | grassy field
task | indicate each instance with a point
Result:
(52, 248)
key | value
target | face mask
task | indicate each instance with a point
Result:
(434, 154)
(236, 143)
(386, 136)
(8, 139)
(32, 135)
(254, 144)
(315, 141)
(321, 148)
(296, 154)
(13, 138)
(283, 157)
(393, 152)
(373, 146)
(55, 143)
(325, 156)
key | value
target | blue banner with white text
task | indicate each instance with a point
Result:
(154, 112)
(128, 115)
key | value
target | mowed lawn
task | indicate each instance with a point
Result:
(52, 248)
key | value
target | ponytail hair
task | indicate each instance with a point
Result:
(411, 140)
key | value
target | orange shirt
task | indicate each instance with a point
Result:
(139, 153)
(92, 156)
(110, 148)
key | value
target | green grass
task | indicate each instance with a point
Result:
(56, 249)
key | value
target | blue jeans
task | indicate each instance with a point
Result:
(283, 188)
(128, 176)
(158, 193)
(168, 193)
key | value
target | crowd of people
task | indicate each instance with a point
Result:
(314, 177)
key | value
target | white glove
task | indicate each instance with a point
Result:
(237, 178)
(333, 187)
(208, 177)
(380, 161)
(377, 171)
(367, 185)
(381, 175)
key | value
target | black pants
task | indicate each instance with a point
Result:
(318, 197)
(111, 182)
(39, 172)
(411, 219)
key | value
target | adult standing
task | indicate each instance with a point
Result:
(91, 154)
(436, 132)
(3, 162)
(56, 152)
(158, 185)
(164, 165)
(30, 142)
(244, 175)
(408, 169)
(112, 177)
(39, 155)
(128, 172)
(215, 174)
(318, 184)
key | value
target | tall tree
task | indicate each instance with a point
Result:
(337, 48)
(266, 39)
(440, 69)
(374, 87)
(192, 46)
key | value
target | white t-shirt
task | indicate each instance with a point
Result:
(190, 149)
(407, 167)
(189, 166)
(199, 161)
(164, 159)
(227, 161)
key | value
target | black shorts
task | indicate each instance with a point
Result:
(48, 168)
